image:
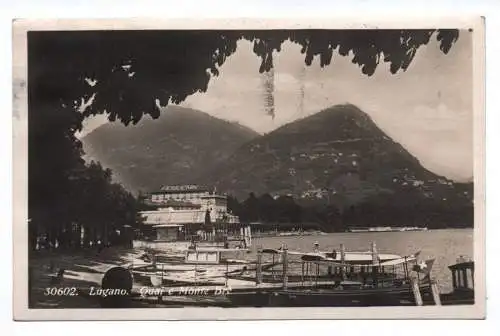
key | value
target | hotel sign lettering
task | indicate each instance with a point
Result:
(182, 188)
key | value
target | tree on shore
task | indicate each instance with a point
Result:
(383, 209)
(94, 207)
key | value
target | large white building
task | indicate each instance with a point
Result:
(183, 211)
(186, 193)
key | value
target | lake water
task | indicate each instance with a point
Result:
(443, 245)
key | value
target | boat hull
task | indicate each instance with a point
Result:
(458, 297)
(195, 274)
(326, 297)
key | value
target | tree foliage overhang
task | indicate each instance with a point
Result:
(122, 73)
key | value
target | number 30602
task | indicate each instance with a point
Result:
(66, 291)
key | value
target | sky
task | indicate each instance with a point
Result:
(428, 108)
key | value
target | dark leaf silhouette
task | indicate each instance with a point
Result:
(132, 69)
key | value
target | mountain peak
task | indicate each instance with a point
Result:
(174, 148)
(342, 122)
(339, 148)
(345, 110)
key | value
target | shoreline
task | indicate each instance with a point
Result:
(367, 230)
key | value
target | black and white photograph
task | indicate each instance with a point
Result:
(236, 168)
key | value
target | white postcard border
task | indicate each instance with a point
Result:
(20, 129)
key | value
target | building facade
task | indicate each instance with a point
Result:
(184, 211)
(182, 193)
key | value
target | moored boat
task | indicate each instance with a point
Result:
(199, 265)
(347, 279)
(296, 279)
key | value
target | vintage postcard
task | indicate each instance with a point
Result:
(248, 169)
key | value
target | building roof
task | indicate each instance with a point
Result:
(214, 196)
(183, 188)
(163, 192)
(167, 225)
(171, 216)
(462, 265)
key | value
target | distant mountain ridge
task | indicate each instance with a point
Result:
(338, 153)
(176, 148)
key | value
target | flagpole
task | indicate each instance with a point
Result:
(405, 267)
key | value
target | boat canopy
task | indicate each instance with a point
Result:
(349, 258)
(396, 262)
(462, 266)
(217, 249)
(271, 251)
